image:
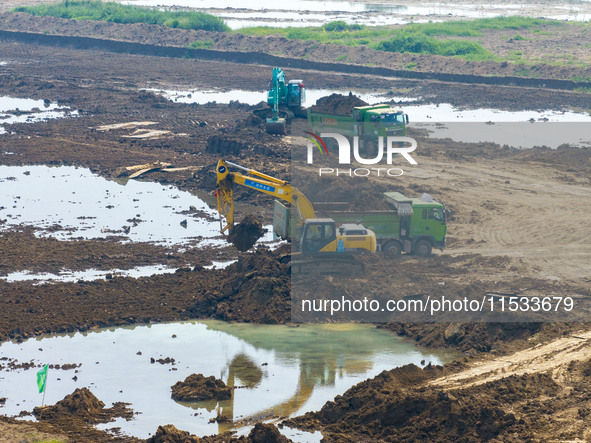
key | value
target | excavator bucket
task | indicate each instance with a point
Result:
(275, 127)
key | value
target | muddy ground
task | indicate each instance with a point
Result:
(495, 194)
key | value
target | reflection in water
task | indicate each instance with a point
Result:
(277, 370)
(326, 353)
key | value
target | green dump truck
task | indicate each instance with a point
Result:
(413, 225)
(367, 122)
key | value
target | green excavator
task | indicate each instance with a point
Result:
(285, 100)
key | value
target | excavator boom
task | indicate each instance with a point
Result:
(261, 182)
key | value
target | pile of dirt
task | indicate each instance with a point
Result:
(82, 405)
(338, 104)
(170, 434)
(246, 233)
(261, 433)
(480, 337)
(266, 433)
(397, 405)
(197, 387)
(255, 289)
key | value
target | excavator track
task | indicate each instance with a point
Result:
(326, 265)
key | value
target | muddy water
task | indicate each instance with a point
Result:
(25, 110)
(281, 370)
(255, 97)
(71, 203)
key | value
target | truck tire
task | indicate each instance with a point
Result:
(392, 248)
(423, 248)
(370, 147)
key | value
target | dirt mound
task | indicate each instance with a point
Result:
(170, 434)
(82, 405)
(246, 233)
(397, 403)
(338, 104)
(266, 433)
(197, 387)
(481, 337)
(256, 289)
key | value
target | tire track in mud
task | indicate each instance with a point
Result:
(261, 58)
(541, 358)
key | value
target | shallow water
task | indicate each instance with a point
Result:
(429, 113)
(517, 135)
(35, 111)
(71, 203)
(255, 97)
(87, 275)
(283, 370)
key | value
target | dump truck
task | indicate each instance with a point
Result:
(412, 225)
(366, 122)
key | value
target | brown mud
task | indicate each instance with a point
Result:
(197, 387)
(246, 233)
(75, 414)
(337, 104)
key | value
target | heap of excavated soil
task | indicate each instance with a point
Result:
(397, 404)
(170, 434)
(266, 433)
(245, 234)
(197, 387)
(261, 433)
(338, 104)
(82, 405)
(255, 289)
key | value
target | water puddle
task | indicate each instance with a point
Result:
(279, 370)
(516, 135)
(25, 110)
(431, 113)
(255, 97)
(71, 203)
(88, 274)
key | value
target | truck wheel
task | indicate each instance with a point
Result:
(370, 147)
(423, 248)
(392, 248)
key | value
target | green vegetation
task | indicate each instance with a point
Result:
(118, 13)
(417, 43)
(201, 44)
(418, 38)
(341, 58)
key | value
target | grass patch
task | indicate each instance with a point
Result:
(418, 43)
(118, 13)
(341, 58)
(418, 38)
(201, 44)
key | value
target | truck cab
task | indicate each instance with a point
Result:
(381, 120)
(423, 224)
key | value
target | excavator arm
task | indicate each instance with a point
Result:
(261, 182)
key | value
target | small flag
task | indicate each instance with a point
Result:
(42, 378)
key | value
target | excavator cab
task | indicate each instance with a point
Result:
(318, 233)
(296, 93)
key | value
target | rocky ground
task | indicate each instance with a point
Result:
(518, 221)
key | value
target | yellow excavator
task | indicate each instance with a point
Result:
(322, 246)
